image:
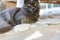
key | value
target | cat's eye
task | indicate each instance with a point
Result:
(29, 5)
(35, 4)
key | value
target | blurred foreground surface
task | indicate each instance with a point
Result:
(49, 30)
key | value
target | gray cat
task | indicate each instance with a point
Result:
(29, 13)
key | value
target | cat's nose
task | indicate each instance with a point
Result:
(33, 9)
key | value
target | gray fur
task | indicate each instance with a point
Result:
(13, 16)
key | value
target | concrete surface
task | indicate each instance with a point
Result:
(49, 32)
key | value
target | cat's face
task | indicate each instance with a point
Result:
(32, 5)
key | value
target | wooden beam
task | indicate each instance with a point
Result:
(50, 1)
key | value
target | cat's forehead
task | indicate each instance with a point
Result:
(33, 0)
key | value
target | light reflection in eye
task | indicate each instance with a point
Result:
(35, 4)
(29, 5)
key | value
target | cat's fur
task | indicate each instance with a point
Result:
(29, 13)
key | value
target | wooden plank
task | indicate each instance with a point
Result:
(10, 4)
(50, 1)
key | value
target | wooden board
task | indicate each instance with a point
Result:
(10, 4)
(50, 1)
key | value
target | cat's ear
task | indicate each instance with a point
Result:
(25, 1)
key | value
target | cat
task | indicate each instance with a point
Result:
(29, 13)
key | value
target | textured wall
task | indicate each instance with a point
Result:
(2, 6)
